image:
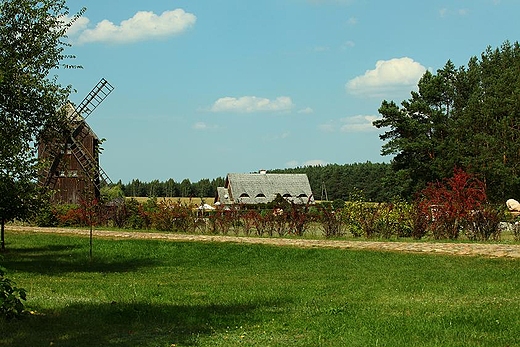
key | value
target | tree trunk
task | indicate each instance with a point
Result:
(2, 237)
(90, 250)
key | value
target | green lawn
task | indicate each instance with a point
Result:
(159, 293)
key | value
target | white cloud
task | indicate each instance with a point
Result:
(249, 104)
(389, 76)
(200, 126)
(306, 110)
(360, 123)
(144, 25)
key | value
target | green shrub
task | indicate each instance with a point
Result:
(11, 305)
(46, 217)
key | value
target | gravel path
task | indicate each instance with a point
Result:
(468, 249)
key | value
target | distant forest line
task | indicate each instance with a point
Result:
(371, 181)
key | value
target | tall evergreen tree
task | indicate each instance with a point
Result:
(419, 129)
(466, 118)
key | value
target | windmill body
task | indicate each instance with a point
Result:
(74, 172)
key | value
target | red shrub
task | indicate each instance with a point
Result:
(449, 205)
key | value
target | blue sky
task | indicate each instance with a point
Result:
(207, 87)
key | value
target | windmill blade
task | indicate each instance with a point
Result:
(94, 98)
(89, 165)
(55, 154)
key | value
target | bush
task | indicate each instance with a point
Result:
(330, 220)
(298, 219)
(174, 216)
(483, 224)
(516, 231)
(449, 205)
(11, 305)
(351, 215)
(69, 215)
(47, 217)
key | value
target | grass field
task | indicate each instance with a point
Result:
(157, 293)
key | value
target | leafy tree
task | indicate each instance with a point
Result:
(419, 129)
(31, 46)
(20, 196)
(111, 193)
(466, 117)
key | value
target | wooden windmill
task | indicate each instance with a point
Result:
(74, 162)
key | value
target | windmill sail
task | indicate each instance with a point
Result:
(89, 164)
(73, 145)
(94, 98)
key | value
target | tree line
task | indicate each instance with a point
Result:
(373, 181)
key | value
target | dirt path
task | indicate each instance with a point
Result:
(469, 249)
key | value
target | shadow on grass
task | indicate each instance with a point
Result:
(128, 324)
(59, 259)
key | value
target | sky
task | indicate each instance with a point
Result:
(209, 87)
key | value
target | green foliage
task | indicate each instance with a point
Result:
(11, 305)
(111, 193)
(353, 213)
(47, 216)
(340, 181)
(31, 36)
(467, 118)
